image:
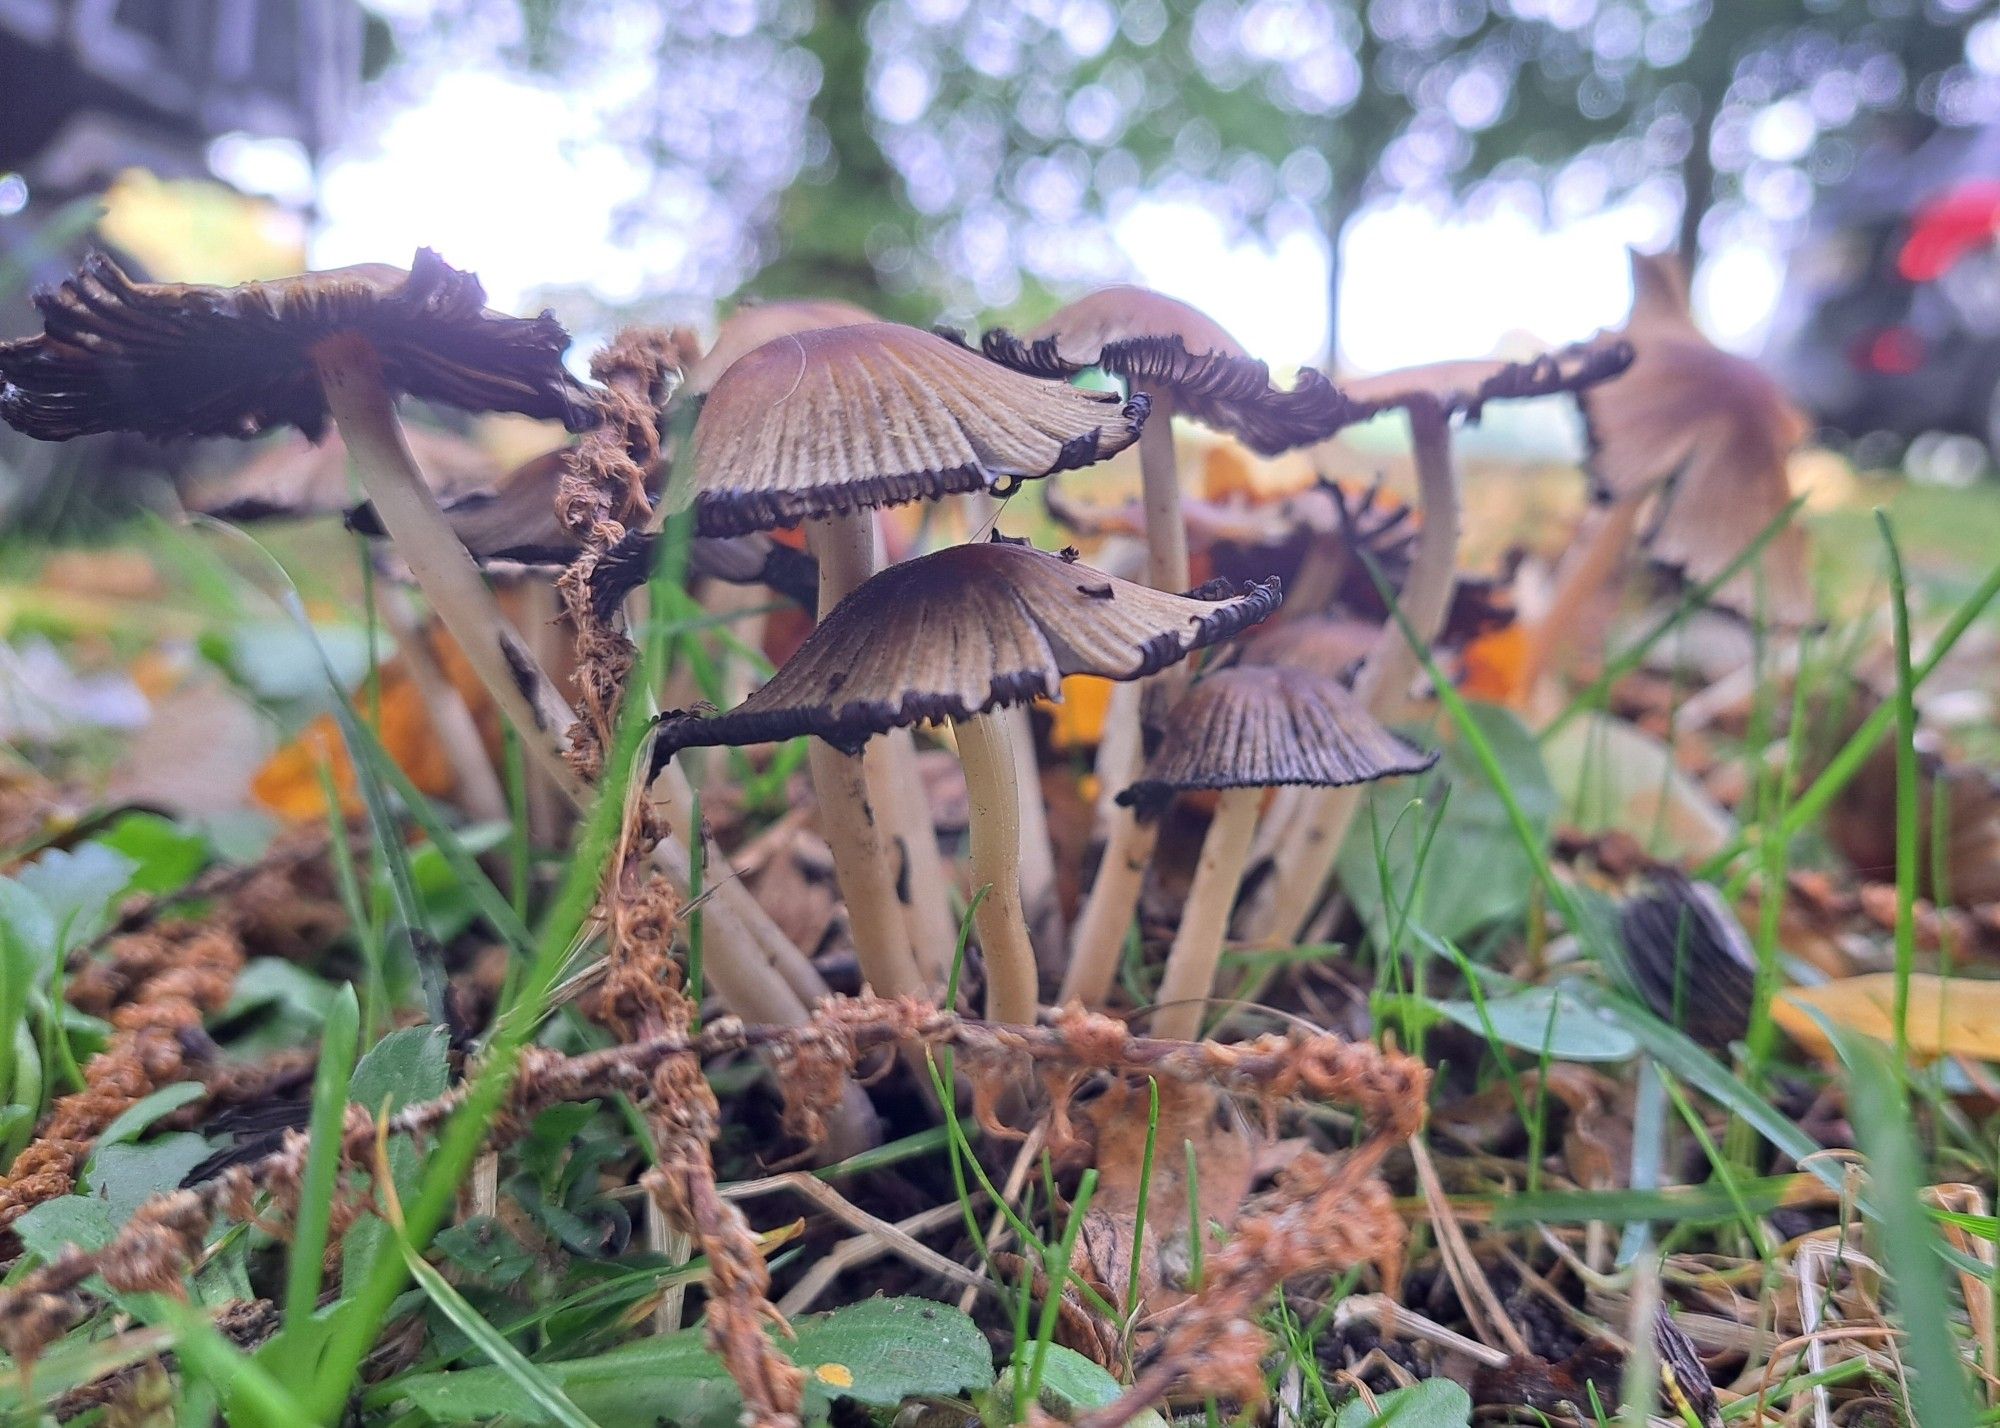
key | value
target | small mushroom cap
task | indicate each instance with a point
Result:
(1463, 388)
(754, 324)
(1326, 645)
(1261, 726)
(171, 359)
(967, 629)
(1714, 431)
(1157, 343)
(842, 419)
(292, 479)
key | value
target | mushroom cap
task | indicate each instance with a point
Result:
(1463, 388)
(964, 630)
(1711, 429)
(290, 478)
(1157, 343)
(841, 419)
(1329, 646)
(754, 324)
(1260, 726)
(1690, 959)
(172, 359)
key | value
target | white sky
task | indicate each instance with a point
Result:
(526, 200)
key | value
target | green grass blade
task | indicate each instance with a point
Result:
(338, 1043)
(1906, 791)
(1909, 1243)
(254, 1395)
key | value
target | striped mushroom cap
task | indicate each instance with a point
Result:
(967, 629)
(1464, 388)
(842, 419)
(1261, 726)
(1690, 959)
(1158, 343)
(171, 359)
(290, 478)
(754, 324)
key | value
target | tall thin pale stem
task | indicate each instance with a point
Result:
(1189, 979)
(855, 832)
(996, 865)
(365, 411)
(1306, 859)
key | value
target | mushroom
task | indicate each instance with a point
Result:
(1708, 433)
(955, 636)
(755, 323)
(168, 360)
(1305, 850)
(1244, 730)
(822, 426)
(291, 478)
(1181, 360)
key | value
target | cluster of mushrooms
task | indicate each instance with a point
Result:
(815, 415)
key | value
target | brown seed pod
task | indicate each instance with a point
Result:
(173, 359)
(971, 628)
(834, 420)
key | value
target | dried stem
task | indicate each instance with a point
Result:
(983, 748)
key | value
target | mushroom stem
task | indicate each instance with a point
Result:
(1160, 478)
(996, 865)
(1585, 569)
(478, 786)
(1197, 949)
(365, 412)
(893, 774)
(1305, 861)
(845, 548)
(1041, 902)
(1107, 913)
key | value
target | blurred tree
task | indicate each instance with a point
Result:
(907, 152)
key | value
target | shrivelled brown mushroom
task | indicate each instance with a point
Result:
(823, 425)
(754, 324)
(1244, 730)
(955, 635)
(1689, 958)
(1709, 432)
(170, 360)
(1305, 845)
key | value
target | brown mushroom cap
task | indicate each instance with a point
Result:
(1330, 646)
(1158, 343)
(290, 478)
(1262, 726)
(967, 629)
(842, 419)
(171, 359)
(754, 324)
(1463, 388)
(1717, 428)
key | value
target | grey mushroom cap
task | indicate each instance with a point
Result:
(1464, 388)
(842, 419)
(183, 360)
(962, 631)
(1690, 959)
(1263, 726)
(1158, 343)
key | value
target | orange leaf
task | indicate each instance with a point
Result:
(1496, 667)
(289, 784)
(1079, 718)
(1949, 1016)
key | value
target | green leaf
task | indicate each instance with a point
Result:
(280, 663)
(486, 1250)
(1073, 1385)
(136, 1118)
(404, 1066)
(1490, 874)
(1522, 1019)
(54, 1225)
(878, 1353)
(125, 1176)
(1434, 1403)
(1910, 1244)
(164, 855)
(63, 899)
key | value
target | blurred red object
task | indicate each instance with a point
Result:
(1957, 222)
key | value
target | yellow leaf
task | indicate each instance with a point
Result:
(1948, 1016)
(288, 784)
(1079, 718)
(835, 1375)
